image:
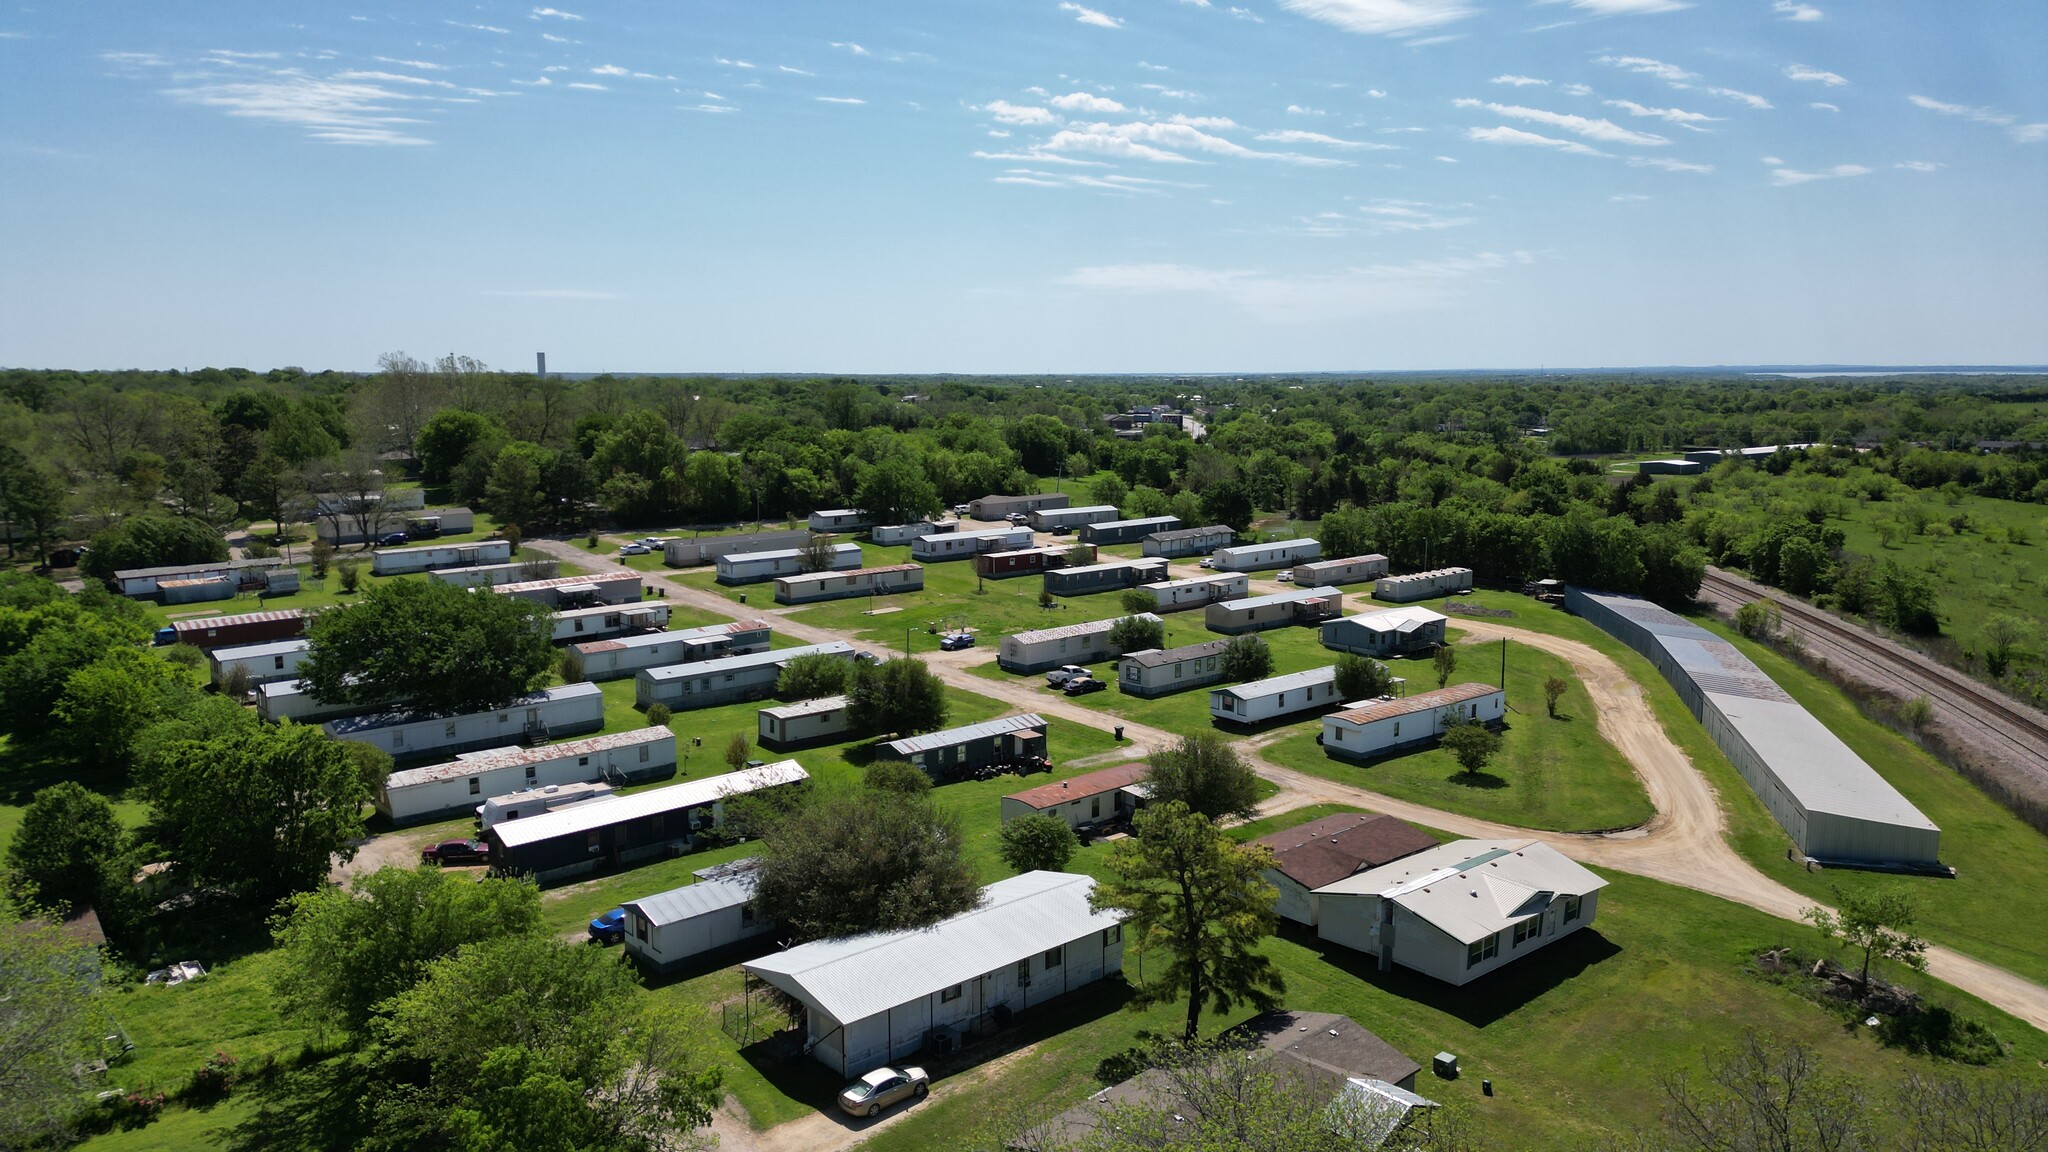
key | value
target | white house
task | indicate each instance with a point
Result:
(883, 580)
(412, 795)
(260, 663)
(1375, 727)
(1261, 700)
(1086, 800)
(427, 557)
(1462, 909)
(805, 722)
(564, 710)
(1392, 632)
(1158, 672)
(961, 545)
(665, 930)
(755, 567)
(625, 655)
(1045, 648)
(534, 801)
(1422, 585)
(1321, 852)
(1260, 557)
(492, 575)
(1047, 519)
(726, 680)
(1350, 570)
(871, 999)
(840, 520)
(1273, 610)
(896, 534)
(1189, 541)
(605, 620)
(575, 591)
(1198, 591)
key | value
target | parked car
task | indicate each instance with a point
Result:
(1063, 673)
(166, 635)
(457, 852)
(879, 1089)
(392, 539)
(609, 928)
(634, 549)
(955, 641)
(1285, 577)
(1018, 518)
(1063, 530)
(1082, 685)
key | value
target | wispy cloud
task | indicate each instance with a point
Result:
(1246, 14)
(1605, 131)
(1206, 123)
(553, 14)
(1749, 98)
(850, 46)
(1506, 135)
(478, 27)
(552, 294)
(1167, 143)
(1814, 75)
(1150, 67)
(1382, 17)
(1037, 156)
(714, 108)
(1670, 73)
(1670, 115)
(587, 87)
(2023, 133)
(731, 63)
(1005, 112)
(1919, 166)
(1786, 177)
(1304, 110)
(610, 70)
(1517, 81)
(1090, 16)
(793, 71)
(1824, 106)
(135, 59)
(331, 110)
(422, 65)
(1085, 102)
(839, 100)
(1793, 10)
(1627, 7)
(1667, 164)
(1297, 136)
(1365, 290)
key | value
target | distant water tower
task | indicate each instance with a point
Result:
(540, 360)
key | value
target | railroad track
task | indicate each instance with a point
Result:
(2020, 731)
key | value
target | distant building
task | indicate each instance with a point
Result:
(1128, 531)
(564, 710)
(1048, 519)
(210, 632)
(1002, 507)
(604, 621)
(258, 663)
(1262, 557)
(1350, 570)
(727, 679)
(1392, 632)
(140, 582)
(945, 754)
(696, 550)
(1275, 610)
(818, 721)
(961, 545)
(438, 791)
(493, 575)
(897, 534)
(625, 655)
(1021, 562)
(427, 557)
(1199, 591)
(886, 580)
(1422, 585)
(1670, 467)
(576, 591)
(1086, 800)
(840, 520)
(756, 567)
(1110, 577)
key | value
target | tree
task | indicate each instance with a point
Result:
(108, 703)
(342, 953)
(897, 491)
(1247, 658)
(1346, 531)
(1137, 601)
(448, 437)
(862, 861)
(1190, 889)
(322, 556)
(1204, 774)
(900, 696)
(1766, 1097)
(1879, 923)
(1554, 689)
(270, 489)
(349, 494)
(43, 648)
(818, 553)
(1473, 743)
(1445, 662)
(1362, 678)
(658, 715)
(350, 574)
(1037, 843)
(737, 751)
(813, 677)
(513, 493)
(2002, 634)
(31, 501)
(1228, 501)
(153, 540)
(1109, 489)
(264, 810)
(1136, 634)
(51, 1023)
(68, 850)
(432, 645)
(1759, 619)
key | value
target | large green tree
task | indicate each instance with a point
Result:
(108, 703)
(1205, 774)
(813, 676)
(432, 645)
(897, 491)
(846, 863)
(1362, 677)
(1200, 897)
(1037, 842)
(69, 849)
(1247, 658)
(153, 540)
(1136, 634)
(900, 696)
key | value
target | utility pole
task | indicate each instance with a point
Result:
(1503, 663)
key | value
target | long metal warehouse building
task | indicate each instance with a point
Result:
(1836, 807)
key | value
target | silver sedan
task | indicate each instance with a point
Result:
(881, 1088)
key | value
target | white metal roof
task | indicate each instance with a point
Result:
(1275, 685)
(396, 717)
(855, 977)
(674, 798)
(1138, 522)
(845, 574)
(806, 708)
(1395, 619)
(259, 651)
(1470, 889)
(1290, 596)
(1191, 581)
(1070, 631)
(1190, 533)
(693, 900)
(686, 635)
(474, 763)
(1276, 545)
(1413, 577)
(961, 735)
(1083, 508)
(781, 554)
(1148, 563)
(562, 582)
(726, 664)
(1369, 711)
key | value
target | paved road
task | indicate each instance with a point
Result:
(1682, 844)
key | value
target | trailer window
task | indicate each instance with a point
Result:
(475, 786)
(947, 995)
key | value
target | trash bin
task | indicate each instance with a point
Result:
(1119, 731)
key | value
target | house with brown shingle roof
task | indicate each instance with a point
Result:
(1324, 851)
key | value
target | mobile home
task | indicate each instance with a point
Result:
(666, 930)
(957, 750)
(1375, 727)
(625, 655)
(756, 567)
(530, 802)
(148, 581)
(258, 663)
(1051, 519)
(424, 524)
(1321, 852)
(1159, 672)
(1262, 700)
(248, 628)
(1022, 562)
(1276, 610)
(601, 621)
(492, 575)
(886, 580)
(1178, 542)
(1128, 531)
(1260, 557)
(726, 680)
(1422, 585)
(819, 721)
(961, 545)
(437, 791)
(1110, 577)
(598, 588)
(1392, 632)
(1002, 507)
(281, 700)
(896, 534)
(197, 589)
(564, 710)
(1045, 648)
(1350, 570)
(1086, 800)
(1199, 591)
(427, 557)
(840, 520)
(707, 549)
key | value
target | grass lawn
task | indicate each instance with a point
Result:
(177, 1128)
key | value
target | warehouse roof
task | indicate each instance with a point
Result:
(817, 707)
(1070, 631)
(1327, 850)
(1278, 684)
(1290, 596)
(1081, 787)
(1470, 889)
(679, 904)
(726, 664)
(591, 815)
(491, 759)
(1430, 701)
(1160, 657)
(852, 978)
(961, 735)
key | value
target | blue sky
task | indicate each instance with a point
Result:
(983, 186)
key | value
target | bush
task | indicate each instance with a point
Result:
(1247, 658)
(1136, 634)
(1446, 662)
(1917, 713)
(1362, 678)
(1037, 843)
(1553, 691)
(658, 715)
(351, 572)
(234, 683)
(897, 776)
(1472, 743)
(186, 655)
(212, 1082)
(153, 540)
(323, 555)
(737, 751)
(1137, 600)
(570, 666)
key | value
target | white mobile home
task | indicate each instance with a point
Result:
(1045, 648)
(1260, 557)
(280, 700)
(885, 580)
(896, 534)
(492, 575)
(427, 557)
(697, 550)
(1422, 585)
(1048, 519)
(1350, 570)
(1157, 672)
(564, 710)
(667, 929)
(601, 621)
(577, 591)
(727, 679)
(625, 655)
(147, 581)
(1321, 852)
(961, 545)
(804, 722)
(840, 520)
(1462, 909)
(529, 802)
(871, 999)
(1001, 507)
(259, 663)
(755, 567)
(1261, 700)
(1128, 531)
(1393, 632)
(1275, 610)
(435, 791)
(1376, 727)
(1199, 591)
(1177, 542)
(1086, 800)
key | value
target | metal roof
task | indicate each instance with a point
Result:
(961, 735)
(1148, 563)
(726, 664)
(1433, 574)
(1160, 657)
(1081, 787)
(1248, 549)
(563, 582)
(652, 607)
(1410, 705)
(1291, 596)
(1327, 850)
(1191, 581)
(1070, 631)
(490, 759)
(1191, 533)
(855, 977)
(656, 639)
(203, 623)
(1471, 889)
(978, 534)
(1395, 619)
(397, 716)
(1083, 508)
(1273, 686)
(618, 809)
(815, 707)
(693, 900)
(194, 569)
(781, 554)
(1318, 565)
(846, 573)
(259, 651)
(1137, 523)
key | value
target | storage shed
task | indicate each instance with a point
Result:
(1422, 585)
(943, 755)
(1178, 542)
(1001, 507)
(601, 621)
(1835, 807)
(840, 520)
(247, 628)
(530, 802)
(1199, 591)
(871, 999)
(755, 567)
(668, 929)
(1050, 519)
(197, 589)
(626, 830)
(437, 791)
(1086, 800)
(493, 575)
(1376, 727)
(280, 581)
(885, 580)
(625, 655)
(1392, 632)
(820, 721)
(258, 663)
(1044, 648)
(725, 680)
(1160, 672)
(564, 710)
(1091, 578)
(576, 591)
(1262, 700)
(1128, 531)
(1322, 852)
(1262, 557)
(698, 550)
(1274, 610)
(1350, 570)
(961, 545)
(1021, 561)
(427, 557)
